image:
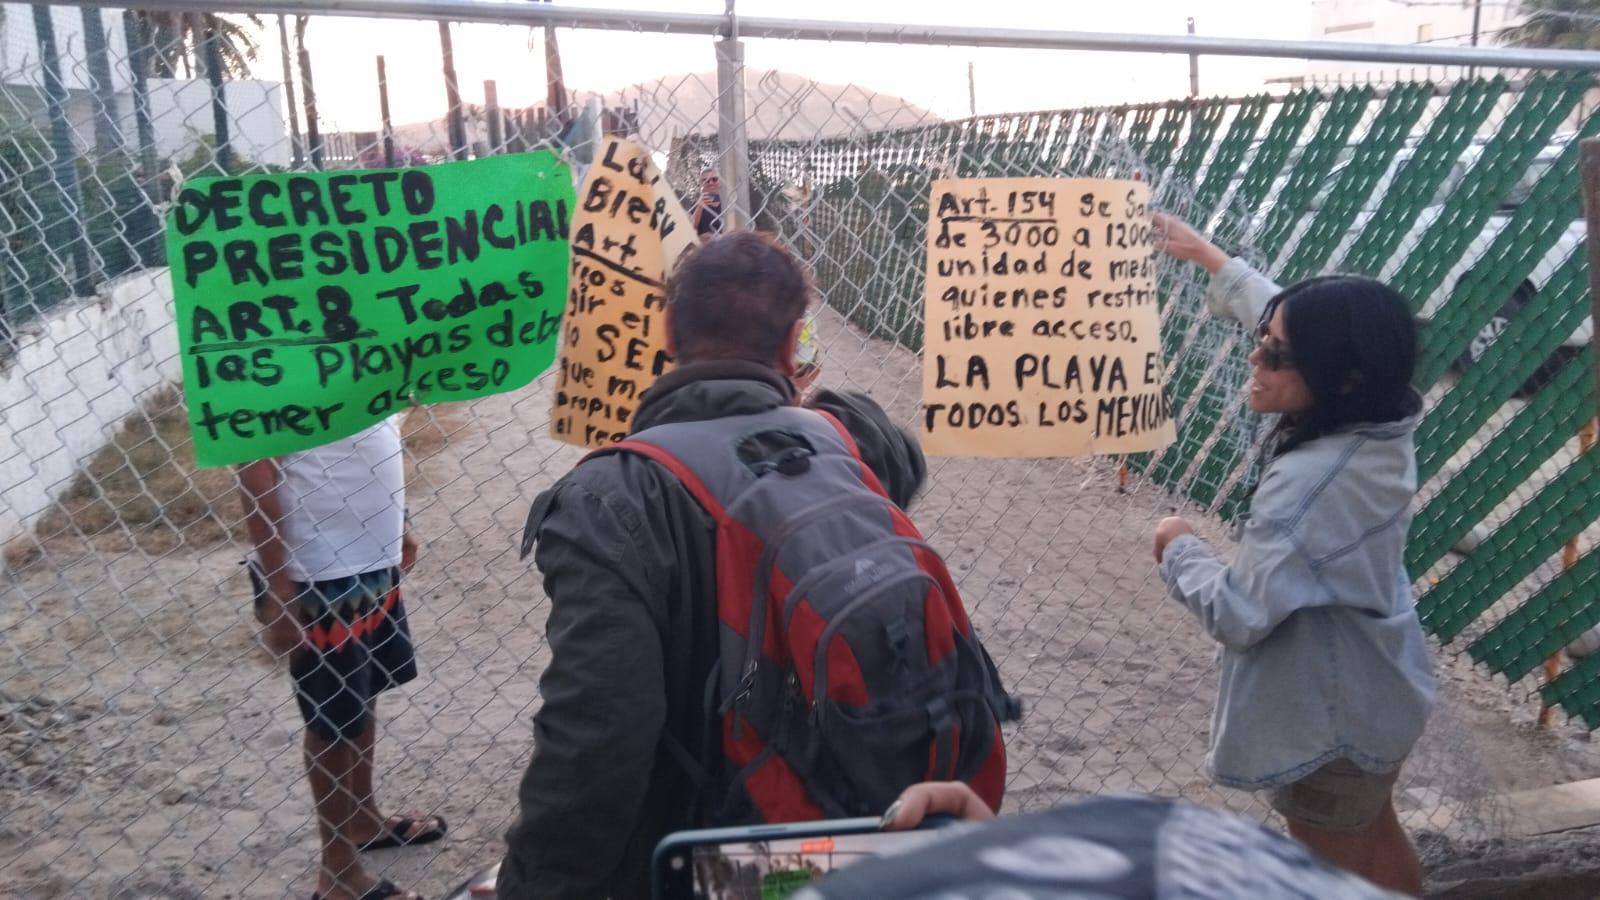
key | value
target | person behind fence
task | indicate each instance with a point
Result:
(1326, 682)
(736, 573)
(708, 207)
(331, 543)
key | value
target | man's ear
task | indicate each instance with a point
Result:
(666, 322)
(791, 349)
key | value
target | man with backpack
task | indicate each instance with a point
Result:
(744, 625)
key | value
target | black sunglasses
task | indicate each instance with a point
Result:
(1275, 354)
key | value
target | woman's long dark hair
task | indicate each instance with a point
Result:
(1354, 342)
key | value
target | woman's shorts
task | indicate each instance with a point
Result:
(1339, 796)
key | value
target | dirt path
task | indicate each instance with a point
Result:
(146, 751)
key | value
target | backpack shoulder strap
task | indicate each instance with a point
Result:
(867, 475)
(679, 469)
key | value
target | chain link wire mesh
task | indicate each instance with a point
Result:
(147, 749)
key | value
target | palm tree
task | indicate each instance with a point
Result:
(1560, 24)
(179, 40)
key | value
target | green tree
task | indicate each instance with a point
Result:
(1559, 24)
(177, 40)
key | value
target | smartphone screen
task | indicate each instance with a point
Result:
(749, 868)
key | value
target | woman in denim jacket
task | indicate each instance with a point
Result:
(1326, 683)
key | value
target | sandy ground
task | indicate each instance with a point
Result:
(146, 750)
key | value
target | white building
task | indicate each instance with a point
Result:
(180, 109)
(1436, 23)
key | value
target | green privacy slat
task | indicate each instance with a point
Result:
(1577, 691)
(1083, 141)
(1050, 138)
(1525, 132)
(1532, 535)
(1195, 409)
(1209, 409)
(1264, 167)
(1107, 143)
(1231, 150)
(1418, 178)
(1340, 118)
(1160, 151)
(1529, 234)
(1203, 124)
(1331, 224)
(1225, 456)
(1186, 374)
(1515, 452)
(1525, 344)
(1144, 117)
(1557, 615)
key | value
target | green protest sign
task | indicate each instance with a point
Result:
(312, 305)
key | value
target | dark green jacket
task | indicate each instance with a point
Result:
(628, 559)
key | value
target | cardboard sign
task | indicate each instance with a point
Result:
(312, 305)
(628, 231)
(1043, 332)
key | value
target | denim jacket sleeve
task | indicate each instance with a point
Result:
(1240, 603)
(1240, 293)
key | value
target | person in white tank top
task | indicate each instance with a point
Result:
(331, 543)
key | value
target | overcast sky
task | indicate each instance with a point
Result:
(344, 52)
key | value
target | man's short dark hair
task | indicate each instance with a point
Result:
(737, 296)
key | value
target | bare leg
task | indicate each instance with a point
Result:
(329, 766)
(1380, 853)
(1395, 865)
(369, 822)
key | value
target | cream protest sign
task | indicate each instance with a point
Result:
(1042, 334)
(628, 230)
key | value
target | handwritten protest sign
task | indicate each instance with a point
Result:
(312, 305)
(1042, 335)
(628, 230)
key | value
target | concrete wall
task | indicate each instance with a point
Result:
(76, 374)
(180, 111)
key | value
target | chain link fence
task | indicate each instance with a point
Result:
(146, 747)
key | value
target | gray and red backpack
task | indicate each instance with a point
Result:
(848, 668)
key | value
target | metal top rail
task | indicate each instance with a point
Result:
(518, 12)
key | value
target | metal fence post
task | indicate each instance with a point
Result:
(63, 155)
(734, 164)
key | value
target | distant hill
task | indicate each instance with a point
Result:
(777, 104)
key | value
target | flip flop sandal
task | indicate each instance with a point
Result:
(395, 834)
(383, 890)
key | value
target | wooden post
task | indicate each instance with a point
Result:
(296, 147)
(1589, 165)
(452, 92)
(308, 92)
(1569, 558)
(383, 109)
(491, 114)
(219, 99)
